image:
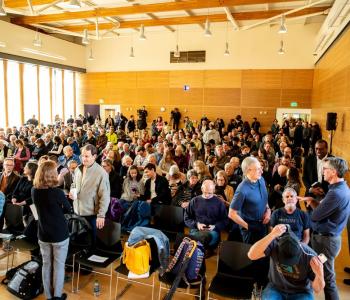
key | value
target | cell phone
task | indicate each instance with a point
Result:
(316, 185)
(322, 258)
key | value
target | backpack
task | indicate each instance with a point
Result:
(195, 252)
(115, 211)
(80, 232)
(25, 280)
(186, 265)
(137, 257)
(139, 214)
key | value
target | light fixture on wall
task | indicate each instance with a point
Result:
(162, 109)
(2, 44)
(207, 31)
(85, 39)
(2, 8)
(37, 40)
(227, 51)
(142, 36)
(281, 50)
(283, 28)
(91, 56)
(177, 52)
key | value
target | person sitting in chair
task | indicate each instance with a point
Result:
(206, 216)
(295, 270)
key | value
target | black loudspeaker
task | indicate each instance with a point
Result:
(331, 121)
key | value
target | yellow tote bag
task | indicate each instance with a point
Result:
(137, 257)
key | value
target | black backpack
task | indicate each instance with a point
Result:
(25, 280)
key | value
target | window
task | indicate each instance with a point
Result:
(2, 96)
(68, 94)
(13, 92)
(30, 91)
(57, 96)
(44, 88)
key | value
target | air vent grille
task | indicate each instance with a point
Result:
(188, 57)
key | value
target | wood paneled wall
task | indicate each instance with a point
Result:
(331, 93)
(214, 93)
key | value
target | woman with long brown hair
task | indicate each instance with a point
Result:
(53, 234)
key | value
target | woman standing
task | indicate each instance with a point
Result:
(22, 155)
(53, 235)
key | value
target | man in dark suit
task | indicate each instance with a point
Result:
(313, 170)
(8, 182)
(156, 187)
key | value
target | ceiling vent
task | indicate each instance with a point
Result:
(188, 57)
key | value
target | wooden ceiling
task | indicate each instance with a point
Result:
(132, 13)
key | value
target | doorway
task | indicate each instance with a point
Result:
(295, 113)
(109, 110)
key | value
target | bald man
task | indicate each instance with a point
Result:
(206, 216)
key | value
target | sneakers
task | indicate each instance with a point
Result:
(63, 297)
(346, 281)
(347, 270)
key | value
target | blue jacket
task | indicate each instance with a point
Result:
(2, 201)
(141, 233)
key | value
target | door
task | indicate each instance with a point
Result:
(93, 109)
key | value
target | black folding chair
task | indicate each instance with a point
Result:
(234, 277)
(122, 271)
(108, 249)
(169, 219)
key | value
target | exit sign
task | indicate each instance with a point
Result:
(294, 104)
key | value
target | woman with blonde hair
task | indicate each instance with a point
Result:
(50, 203)
(222, 189)
(166, 162)
(202, 170)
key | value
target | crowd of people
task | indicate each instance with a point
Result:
(226, 178)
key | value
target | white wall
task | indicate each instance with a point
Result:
(17, 37)
(252, 49)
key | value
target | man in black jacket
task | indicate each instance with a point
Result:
(313, 170)
(156, 187)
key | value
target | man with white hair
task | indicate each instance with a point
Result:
(206, 215)
(211, 134)
(249, 207)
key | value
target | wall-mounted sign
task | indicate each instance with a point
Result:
(186, 87)
(294, 104)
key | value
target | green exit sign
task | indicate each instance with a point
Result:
(294, 104)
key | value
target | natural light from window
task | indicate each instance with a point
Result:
(14, 94)
(30, 91)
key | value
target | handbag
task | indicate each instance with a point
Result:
(137, 257)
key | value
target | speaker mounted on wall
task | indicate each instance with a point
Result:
(331, 121)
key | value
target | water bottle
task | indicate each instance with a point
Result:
(97, 291)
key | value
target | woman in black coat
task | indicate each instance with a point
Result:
(115, 180)
(22, 193)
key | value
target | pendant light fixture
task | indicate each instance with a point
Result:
(207, 31)
(142, 33)
(283, 28)
(281, 50)
(2, 8)
(227, 51)
(132, 54)
(85, 39)
(74, 4)
(91, 56)
(177, 52)
(37, 40)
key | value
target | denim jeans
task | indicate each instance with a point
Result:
(271, 293)
(330, 247)
(54, 257)
(92, 221)
(214, 237)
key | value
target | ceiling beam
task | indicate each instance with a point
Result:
(24, 3)
(139, 9)
(196, 19)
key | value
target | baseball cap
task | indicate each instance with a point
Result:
(289, 250)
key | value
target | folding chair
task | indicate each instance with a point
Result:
(108, 249)
(234, 277)
(170, 220)
(122, 270)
